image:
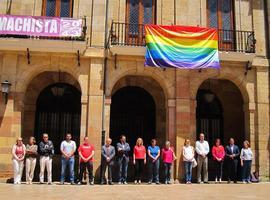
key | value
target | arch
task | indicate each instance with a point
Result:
(33, 90)
(238, 81)
(152, 73)
(27, 76)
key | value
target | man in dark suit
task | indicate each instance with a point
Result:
(108, 153)
(123, 150)
(232, 154)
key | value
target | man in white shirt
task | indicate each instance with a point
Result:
(68, 148)
(202, 149)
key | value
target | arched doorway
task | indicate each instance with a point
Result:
(52, 104)
(58, 111)
(220, 114)
(133, 113)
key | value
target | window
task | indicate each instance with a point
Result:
(140, 12)
(57, 8)
(220, 16)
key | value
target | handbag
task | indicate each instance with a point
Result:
(194, 163)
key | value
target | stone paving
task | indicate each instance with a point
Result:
(260, 191)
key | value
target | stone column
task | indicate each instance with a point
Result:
(184, 117)
(262, 120)
(171, 123)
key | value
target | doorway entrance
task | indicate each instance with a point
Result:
(133, 113)
(58, 111)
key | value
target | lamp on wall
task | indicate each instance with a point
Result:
(209, 95)
(5, 86)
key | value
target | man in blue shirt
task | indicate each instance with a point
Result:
(153, 161)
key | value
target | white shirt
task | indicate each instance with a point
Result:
(246, 154)
(202, 147)
(188, 153)
(68, 147)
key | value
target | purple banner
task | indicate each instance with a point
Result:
(40, 26)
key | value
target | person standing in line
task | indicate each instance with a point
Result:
(18, 154)
(46, 151)
(67, 148)
(218, 154)
(188, 158)
(153, 152)
(139, 160)
(86, 153)
(246, 157)
(31, 159)
(232, 154)
(168, 157)
(123, 150)
(108, 153)
(202, 149)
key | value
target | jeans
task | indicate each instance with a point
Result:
(153, 170)
(89, 166)
(17, 170)
(123, 167)
(106, 165)
(45, 162)
(218, 165)
(202, 166)
(139, 163)
(70, 163)
(167, 173)
(246, 170)
(232, 169)
(188, 170)
(30, 165)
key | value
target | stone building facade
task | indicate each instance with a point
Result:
(135, 100)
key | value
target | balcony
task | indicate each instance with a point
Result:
(128, 36)
(65, 44)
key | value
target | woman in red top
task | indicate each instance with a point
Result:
(139, 160)
(218, 154)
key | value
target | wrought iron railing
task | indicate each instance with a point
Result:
(80, 38)
(125, 34)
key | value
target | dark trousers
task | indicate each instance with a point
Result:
(246, 170)
(218, 165)
(153, 170)
(139, 163)
(123, 167)
(232, 169)
(167, 168)
(89, 166)
(106, 165)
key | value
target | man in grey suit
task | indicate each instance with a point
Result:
(108, 153)
(123, 150)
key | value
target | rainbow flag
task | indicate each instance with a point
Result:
(181, 47)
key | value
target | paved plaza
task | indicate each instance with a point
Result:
(144, 191)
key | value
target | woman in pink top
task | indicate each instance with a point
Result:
(218, 154)
(139, 160)
(168, 157)
(18, 153)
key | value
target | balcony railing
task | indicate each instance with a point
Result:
(80, 38)
(124, 34)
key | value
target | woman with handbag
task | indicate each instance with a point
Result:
(189, 160)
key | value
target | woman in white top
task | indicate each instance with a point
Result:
(18, 154)
(188, 158)
(246, 157)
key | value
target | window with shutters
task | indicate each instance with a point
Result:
(57, 8)
(220, 15)
(140, 12)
